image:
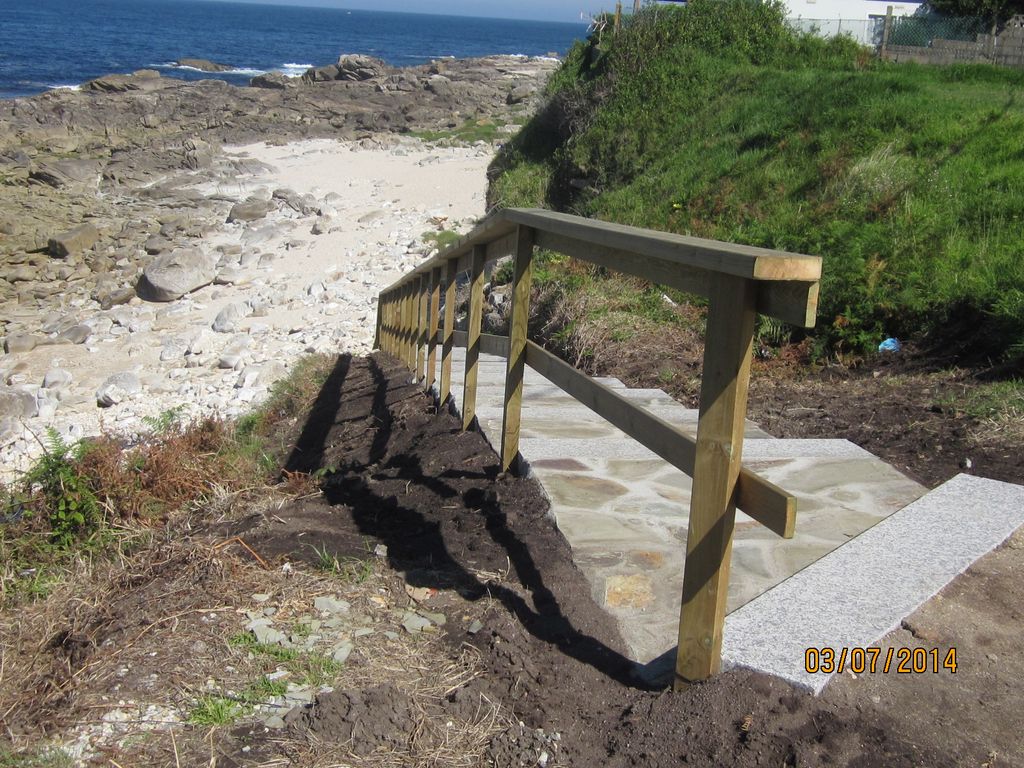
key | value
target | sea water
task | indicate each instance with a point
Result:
(47, 44)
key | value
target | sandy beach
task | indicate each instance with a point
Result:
(303, 278)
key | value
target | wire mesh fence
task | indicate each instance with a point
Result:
(929, 39)
(923, 31)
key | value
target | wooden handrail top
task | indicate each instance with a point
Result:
(694, 252)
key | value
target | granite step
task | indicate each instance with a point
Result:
(863, 590)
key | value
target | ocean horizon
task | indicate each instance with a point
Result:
(52, 44)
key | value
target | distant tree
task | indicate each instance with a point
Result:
(988, 9)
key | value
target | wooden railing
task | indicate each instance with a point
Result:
(739, 281)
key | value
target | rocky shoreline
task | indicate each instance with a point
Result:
(167, 245)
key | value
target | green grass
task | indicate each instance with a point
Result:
(317, 670)
(246, 641)
(47, 757)
(264, 689)
(310, 668)
(997, 402)
(216, 710)
(352, 570)
(713, 120)
(469, 132)
(441, 239)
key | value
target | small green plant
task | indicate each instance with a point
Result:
(66, 494)
(350, 569)
(317, 670)
(247, 641)
(772, 332)
(264, 689)
(442, 238)
(997, 404)
(216, 710)
(469, 132)
(165, 421)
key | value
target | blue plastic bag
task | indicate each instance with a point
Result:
(890, 345)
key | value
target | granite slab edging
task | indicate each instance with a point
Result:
(863, 590)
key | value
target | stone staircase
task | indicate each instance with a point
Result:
(625, 511)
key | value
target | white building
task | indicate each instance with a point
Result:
(861, 19)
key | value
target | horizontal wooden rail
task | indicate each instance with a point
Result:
(787, 282)
(791, 301)
(489, 343)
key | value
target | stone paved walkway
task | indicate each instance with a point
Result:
(624, 510)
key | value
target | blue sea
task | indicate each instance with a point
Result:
(47, 44)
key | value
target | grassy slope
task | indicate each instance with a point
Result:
(715, 121)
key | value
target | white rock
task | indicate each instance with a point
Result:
(109, 395)
(228, 318)
(117, 388)
(56, 378)
(171, 275)
(249, 377)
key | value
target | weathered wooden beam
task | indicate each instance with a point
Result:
(449, 326)
(422, 298)
(723, 405)
(435, 309)
(409, 356)
(519, 320)
(711, 255)
(476, 310)
(792, 302)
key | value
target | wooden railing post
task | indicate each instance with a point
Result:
(402, 317)
(522, 278)
(409, 324)
(435, 308)
(410, 348)
(422, 296)
(723, 405)
(476, 312)
(391, 323)
(447, 339)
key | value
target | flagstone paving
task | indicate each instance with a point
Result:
(624, 511)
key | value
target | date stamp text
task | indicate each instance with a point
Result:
(869, 660)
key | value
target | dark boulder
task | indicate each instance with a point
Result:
(274, 81)
(141, 80)
(359, 67)
(204, 65)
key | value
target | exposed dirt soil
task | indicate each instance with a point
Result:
(901, 407)
(525, 671)
(433, 495)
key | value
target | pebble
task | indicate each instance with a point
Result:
(413, 623)
(342, 651)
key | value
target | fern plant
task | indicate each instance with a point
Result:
(70, 502)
